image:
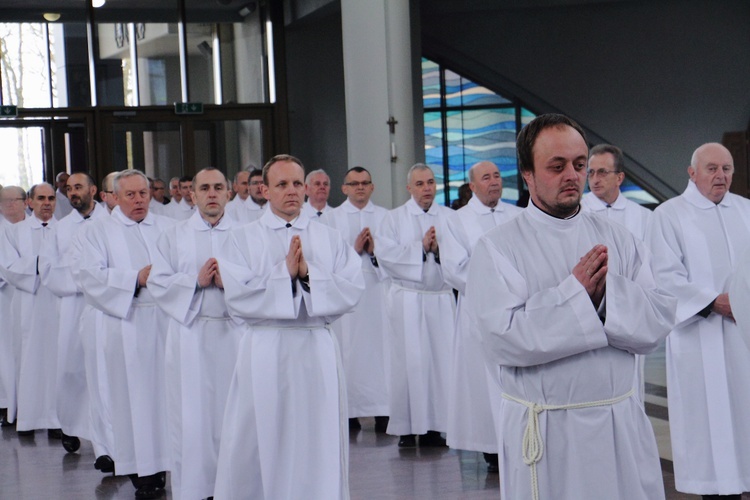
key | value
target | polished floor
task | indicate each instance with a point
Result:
(37, 468)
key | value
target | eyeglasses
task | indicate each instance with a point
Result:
(357, 184)
(11, 200)
(601, 173)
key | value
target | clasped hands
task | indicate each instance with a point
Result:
(295, 259)
(591, 272)
(209, 274)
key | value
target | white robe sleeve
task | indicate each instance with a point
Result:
(522, 330)
(54, 268)
(174, 291)
(671, 272)
(638, 314)
(109, 289)
(454, 256)
(251, 293)
(335, 291)
(19, 270)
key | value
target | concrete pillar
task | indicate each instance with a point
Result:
(378, 68)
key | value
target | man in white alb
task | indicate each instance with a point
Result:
(697, 239)
(421, 308)
(288, 277)
(34, 315)
(564, 300)
(118, 252)
(13, 203)
(363, 333)
(470, 423)
(202, 340)
(58, 262)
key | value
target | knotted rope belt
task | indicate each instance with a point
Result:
(533, 446)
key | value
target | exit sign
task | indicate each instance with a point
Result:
(188, 108)
(8, 111)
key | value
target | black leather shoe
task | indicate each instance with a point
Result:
(408, 441)
(70, 443)
(54, 433)
(381, 424)
(25, 433)
(432, 439)
(354, 424)
(104, 464)
(149, 492)
(491, 459)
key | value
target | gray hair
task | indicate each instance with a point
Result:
(316, 172)
(415, 167)
(125, 174)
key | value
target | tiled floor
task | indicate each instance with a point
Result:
(38, 467)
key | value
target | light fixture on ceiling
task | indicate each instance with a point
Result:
(51, 16)
(98, 3)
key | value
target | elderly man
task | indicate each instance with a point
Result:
(202, 339)
(422, 312)
(58, 262)
(470, 424)
(317, 190)
(62, 205)
(174, 190)
(288, 277)
(12, 201)
(116, 261)
(697, 239)
(363, 333)
(34, 315)
(563, 300)
(606, 171)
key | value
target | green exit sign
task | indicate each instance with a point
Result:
(188, 108)
(8, 111)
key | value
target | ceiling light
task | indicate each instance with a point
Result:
(98, 3)
(51, 16)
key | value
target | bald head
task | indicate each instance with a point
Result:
(486, 183)
(711, 169)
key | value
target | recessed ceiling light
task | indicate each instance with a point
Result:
(51, 16)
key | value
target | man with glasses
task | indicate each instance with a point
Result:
(697, 240)
(363, 333)
(13, 203)
(606, 171)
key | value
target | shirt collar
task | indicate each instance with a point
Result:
(126, 221)
(273, 221)
(538, 214)
(696, 198)
(349, 207)
(197, 222)
(415, 209)
(37, 223)
(481, 209)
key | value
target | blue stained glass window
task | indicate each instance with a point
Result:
(465, 123)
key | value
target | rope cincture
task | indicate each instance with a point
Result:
(532, 447)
